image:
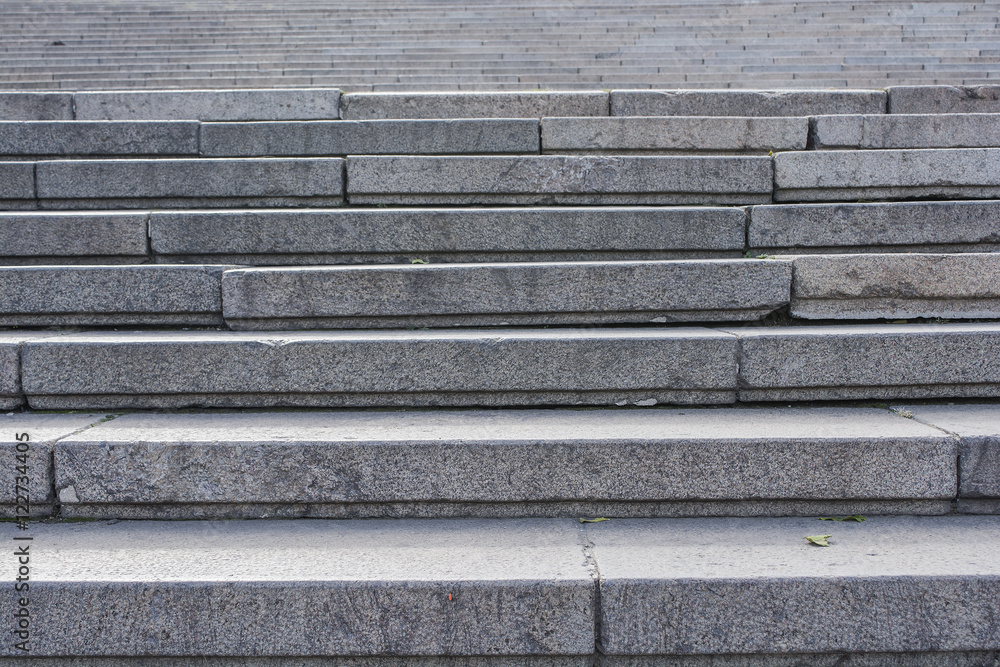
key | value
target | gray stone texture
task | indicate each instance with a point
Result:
(745, 102)
(551, 179)
(110, 295)
(679, 134)
(943, 226)
(827, 659)
(374, 137)
(907, 131)
(385, 368)
(513, 457)
(11, 343)
(67, 237)
(869, 361)
(978, 427)
(509, 293)
(954, 173)
(68, 138)
(755, 586)
(944, 99)
(330, 661)
(17, 184)
(26, 105)
(209, 182)
(315, 588)
(385, 235)
(278, 104)
(896, 286)
(526, 104)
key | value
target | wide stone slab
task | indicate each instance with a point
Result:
(374, 137)
(551, 179)
(367, 368)
(69, 138)
(877, 286)
(882, 227)
(58, 238)
(316, 588)
(679, 134)
(17, 185)
(508, 293)
(25, 105)
(510, 459)
(978, 427)
(745, 102)
(527, 104)
(957, 173)
(756, 586)
(26, 446)
(200, 182)
(869, 361)
(907, 131)
(110, 295)
(445, 235)
(278, 104)
(944, 99)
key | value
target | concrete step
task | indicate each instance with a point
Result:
(944, 99)
(517, 588)
(83, 138)
(906, 131)
(535, 104)
(745, 103)
(489, 294)
(74, 238)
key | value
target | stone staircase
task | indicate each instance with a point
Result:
(523, 379)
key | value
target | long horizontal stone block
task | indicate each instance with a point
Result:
(745, 102)
(944, 99)
(476, 367)
(877, 286)
(69, 138)
(508, 293)
(502, 458)
(390, 137)
(978, 427)
(674, 134)
(889, 174)
(316, 588)
(24, 105)
(751, 586)
(868, 361)
(527, 104)
(33, 237)
(944, 226)
(110, 295)
(17, 184)
(907, 131)
(178, 182)
(551, 179)
(278, 104)
(480, 234)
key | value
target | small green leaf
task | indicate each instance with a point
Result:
(418, 261)
(819, 540)
(853, 517)
(597, 520)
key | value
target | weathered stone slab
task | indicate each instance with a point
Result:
(826, 659)
(677, 134)
(277, 104)
(69, 138)
(889, 174)
(498, 457)
(25, 105)
(66, 237)
(17, 184)
(745, 102)
(369, 368)
(946, 226)
(907, 131)
(26, 442)
(11, 343)
(551, 179)
(859, 287)
(374, 137)
(978, 427)
(944, 99)
(205, 181)
(869, 361)
(110, 295)
(353, 661)
(445, 235)
(751, 586)
(527, 104)
(309, 588)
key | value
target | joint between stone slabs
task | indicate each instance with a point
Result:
(587, 545)
(149, 234)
